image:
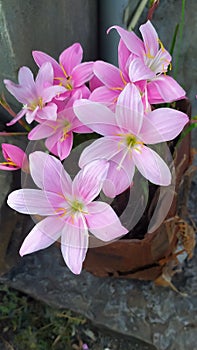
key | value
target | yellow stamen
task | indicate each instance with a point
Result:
(64, 71)
(161, 44)
(148, 54)
(123, 79)
(59, 210)
(117, 88)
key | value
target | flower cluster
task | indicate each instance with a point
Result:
(68, 98)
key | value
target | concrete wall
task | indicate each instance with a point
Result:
(47, 25)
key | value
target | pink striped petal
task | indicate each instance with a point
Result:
(96, 116)
(109, 75)
(130, 109)
(88, 182)
(26, 78)
(49, 112)
(71, 57)
(44, 77)
(151, 166)
(31, 115)
(163, 124)
(41, 57)
(41, 131)
(139, 71)
(164, 89)
(17, 91)
(123, 55)
(64, 146)
(48, 173)
(82, 73)
(121, 167)
(51, 92)
(103, 148)
(74, 245)
(44, 233)
(150, 38)
(160, 63)
(16, 154)
(94, 83)
(30, 201)
(131, 40)
(103, 222)
(104, 95)
(17, 118)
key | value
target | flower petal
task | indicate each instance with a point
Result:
(88, 182)
(64, 146)
(130, 110)
(103, 222)
(164, 89)
(17, 91)
(139, 71)
(152, 166)
(41, 57)
(150, 38)
(74, 244)
(103, 148)
(44, 77)
(51, 92)
(104, 95)
(17, 118)
(82, 73)
(162, 124)
(41, 131)
(123, 55)
(96, 116)
(26, 78)
(131, 40)
(108, 74)
(31, 201)
(49, 112)
(48, 173)
(112, 185)
(71, 57)
(14, 153)
(44, 233)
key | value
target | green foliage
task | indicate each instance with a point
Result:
(28, 324)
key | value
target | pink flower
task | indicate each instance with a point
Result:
(68, 207)
(126, 133)
(59, 133)
(160, 87)
(37, 95)
(15, 158)
(70, 72)
(115, 79)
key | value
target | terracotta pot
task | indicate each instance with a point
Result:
(144, 256)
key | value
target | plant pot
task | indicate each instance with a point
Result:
(145, 256)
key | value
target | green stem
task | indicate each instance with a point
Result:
(180, 38)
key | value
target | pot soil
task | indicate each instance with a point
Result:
(150, 256)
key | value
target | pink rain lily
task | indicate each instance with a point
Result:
(15, 158)
(160, 87)
(68, 208)
(126, 133)
(114, 79)
(59, 133)
(69, 72)
(37, 95)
